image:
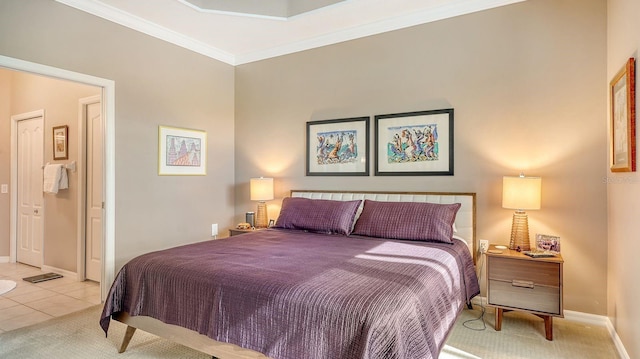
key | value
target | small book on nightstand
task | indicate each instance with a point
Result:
(538, 254)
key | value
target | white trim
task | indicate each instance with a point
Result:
(400, 22)
(147, 27)
(602, 321)
(448, 10)
(231, 13)
(622, 351)
(82, 177)
(108, 111)
(62, 272)
(4, 259)
(261, 16)
(586, 318)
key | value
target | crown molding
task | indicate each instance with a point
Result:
(448, 10)
(139, 24)
(400, 22)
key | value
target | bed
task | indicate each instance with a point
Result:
(330, 281)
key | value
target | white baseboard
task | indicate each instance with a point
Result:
(4, 259)
(64, 273)
(584, 318)
(616, 340)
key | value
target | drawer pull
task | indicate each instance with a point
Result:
(522, 283)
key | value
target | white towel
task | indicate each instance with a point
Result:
(55, 178)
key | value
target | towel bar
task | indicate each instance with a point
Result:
(71, 166)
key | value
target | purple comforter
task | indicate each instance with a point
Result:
(292, 295)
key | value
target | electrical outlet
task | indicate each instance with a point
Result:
(484, 245)
(214, 230)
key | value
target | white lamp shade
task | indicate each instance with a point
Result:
(521, 192)
(261, 189)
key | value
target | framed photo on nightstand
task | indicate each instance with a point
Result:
(547, 243)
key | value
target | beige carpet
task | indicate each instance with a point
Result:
(78, 335)
(522, 336)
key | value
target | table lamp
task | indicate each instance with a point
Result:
(521, 193)
(261, 191)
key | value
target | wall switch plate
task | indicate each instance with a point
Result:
(214, 230)
(4, 188)
(484, 246)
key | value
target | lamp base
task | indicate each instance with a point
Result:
(520, 232)
(261, 215)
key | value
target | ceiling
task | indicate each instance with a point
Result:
(242, 31)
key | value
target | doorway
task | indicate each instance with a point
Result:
(91, 189)
(28, 134)
(108, 111)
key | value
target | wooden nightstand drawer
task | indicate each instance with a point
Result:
(518, 282)
(540, 273)
(525, 295)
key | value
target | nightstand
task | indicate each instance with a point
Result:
(235, 231)
(518, 282)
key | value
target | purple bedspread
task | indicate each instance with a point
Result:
(291, 294)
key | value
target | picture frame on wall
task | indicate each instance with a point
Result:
(181, 152)
(338, 147)
(414, 143)
(61, 142)
(623, 119)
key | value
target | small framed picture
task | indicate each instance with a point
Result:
(623, 119)
(60, 144)
(548, 243)
(181, 151)
(271, 223)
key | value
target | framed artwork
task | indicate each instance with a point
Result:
(414, 143)
(182, 151)
(623, 119)
(547, 243)
(60, 142)
(338, 147)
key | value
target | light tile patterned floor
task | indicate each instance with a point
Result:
(31, 303)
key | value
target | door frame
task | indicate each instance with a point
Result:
(82, 185)
(108, 113)
(13, 183)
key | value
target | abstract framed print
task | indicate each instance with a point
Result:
(181, 152)
(414, 143)
(338, 147)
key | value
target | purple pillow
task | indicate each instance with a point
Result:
(407, 220)
(317, 215)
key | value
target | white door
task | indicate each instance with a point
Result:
(30, 220)
(93, 225)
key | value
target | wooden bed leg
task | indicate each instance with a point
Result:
(127, 338)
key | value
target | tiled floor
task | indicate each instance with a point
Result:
(29, 303)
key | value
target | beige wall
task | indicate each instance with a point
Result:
(5, 160)
(624, 191)
(59, 100)
(156, 83)
(526, 82)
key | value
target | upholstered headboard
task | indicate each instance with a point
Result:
(465, 223)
